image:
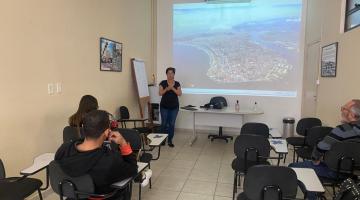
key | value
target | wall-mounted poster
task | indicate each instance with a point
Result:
(110, 55)
(329, 60)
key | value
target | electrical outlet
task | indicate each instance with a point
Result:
(58, 88)
(50, 88)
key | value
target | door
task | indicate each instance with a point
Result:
(311, 75)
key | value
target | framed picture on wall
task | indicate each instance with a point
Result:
(329, 60)
(110, 55)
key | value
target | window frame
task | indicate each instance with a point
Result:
(349, 13)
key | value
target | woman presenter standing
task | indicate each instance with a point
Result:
(169, 90)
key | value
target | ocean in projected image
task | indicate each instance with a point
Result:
(248, 46)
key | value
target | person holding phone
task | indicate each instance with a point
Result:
(169, 90)
(89, 155)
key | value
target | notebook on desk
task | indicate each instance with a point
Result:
(189, 107)
(276, 142)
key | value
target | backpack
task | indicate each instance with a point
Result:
(349, 190)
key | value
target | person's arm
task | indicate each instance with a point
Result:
(176, 88)
(177, 91)
(129, 164)
(320, 149)
(125, 165)
(162, 90)
(324, 145)
(121, 167)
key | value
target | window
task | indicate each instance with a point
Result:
(352, 16)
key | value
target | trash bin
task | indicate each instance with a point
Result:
(155, 112)
(288, 127)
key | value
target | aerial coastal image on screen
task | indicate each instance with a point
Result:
(242, 43)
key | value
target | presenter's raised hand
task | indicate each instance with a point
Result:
(171, 87)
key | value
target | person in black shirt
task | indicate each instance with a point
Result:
(90, 156)
(169, 106)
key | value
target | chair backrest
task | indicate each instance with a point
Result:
(254, 128)
(124, 112)
(305, 124)
(2, 170)
(218, 100)
(70, 134)
(343, 157)
(251, 143)
(260, 177)
(132, 136)
(82, 183)
(316, 134)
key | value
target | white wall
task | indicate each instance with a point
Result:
(335, 92)
(58, 41)
(275, 108)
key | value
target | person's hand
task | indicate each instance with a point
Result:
(172, 87)
(168, 88)
(316, 162)
(116, 137)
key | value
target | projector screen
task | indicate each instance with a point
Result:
(238, 48)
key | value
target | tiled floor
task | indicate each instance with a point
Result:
(200, 172)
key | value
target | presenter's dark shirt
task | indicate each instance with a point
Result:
(169, 100)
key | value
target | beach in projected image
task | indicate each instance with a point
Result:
(238, 46)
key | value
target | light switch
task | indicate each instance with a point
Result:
(58, 88)
(50, 88)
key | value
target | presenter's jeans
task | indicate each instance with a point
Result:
(321, 170)
(168, 118)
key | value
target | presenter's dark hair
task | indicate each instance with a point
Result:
(95, 123)
(170, 69)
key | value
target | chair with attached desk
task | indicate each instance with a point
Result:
(125, 118)
(12, 188)
(70, 134)
(302, 128)
(80, 187)
(255, 128)
(314, 136)
(134, 138)
(250, 150)
(219, 102)
(269, 182)
(343, 158)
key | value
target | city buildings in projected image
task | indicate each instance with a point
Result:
(227, 45)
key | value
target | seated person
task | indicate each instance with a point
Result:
(90, 156)
(87, 103)
(348, 130)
